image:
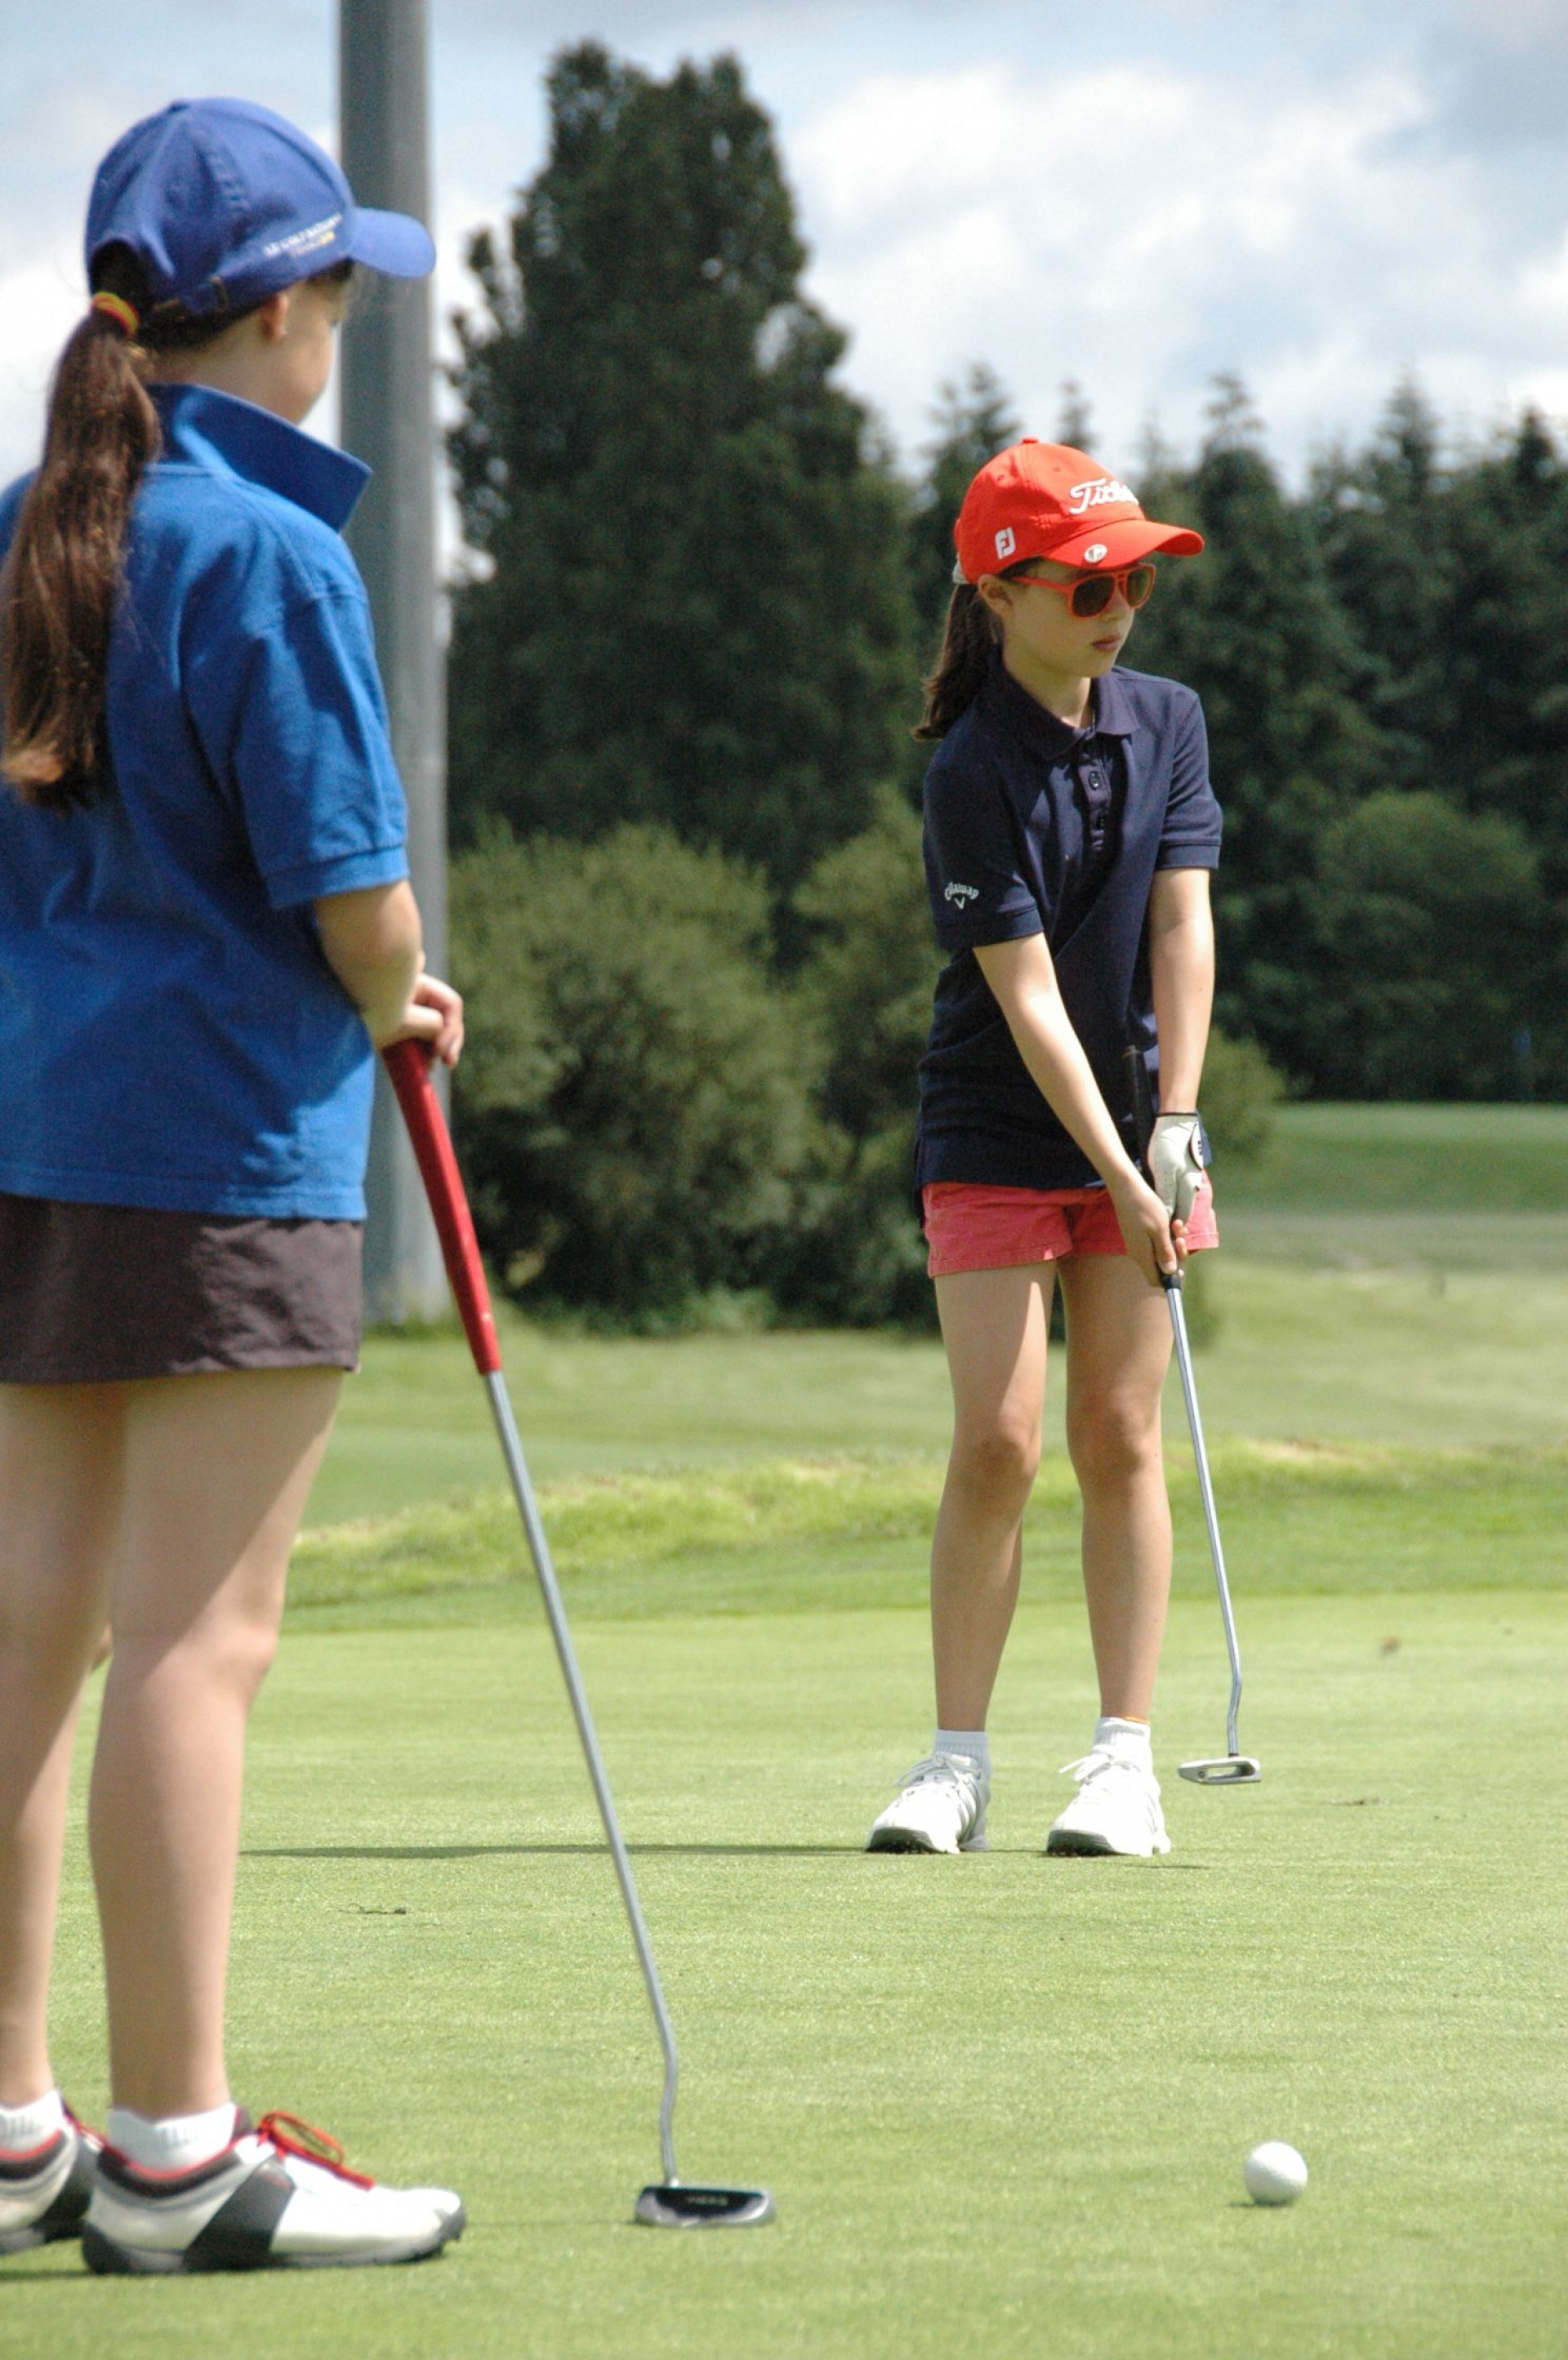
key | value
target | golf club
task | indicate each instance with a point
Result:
(670, 2204)
(1231, 1769)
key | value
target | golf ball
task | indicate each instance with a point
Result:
(1275, 2173)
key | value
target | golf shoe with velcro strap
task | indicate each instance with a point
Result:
(44, 2189)
(277, 2197)
(939, 1807)
(1117, 1808)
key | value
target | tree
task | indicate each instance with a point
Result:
(1252, 625)
(697, 609)
(635, 1093)
(973, 422)
(853, 1253)
(1435, 953)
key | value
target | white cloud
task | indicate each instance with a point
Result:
(1139, 228)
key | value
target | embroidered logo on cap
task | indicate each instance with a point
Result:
(1104, 493)
(1092, 556)
(1006, 541)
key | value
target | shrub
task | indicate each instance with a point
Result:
(634, 1098)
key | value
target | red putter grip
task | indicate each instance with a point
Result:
(408, 1069)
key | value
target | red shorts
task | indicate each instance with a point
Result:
(970, 1226)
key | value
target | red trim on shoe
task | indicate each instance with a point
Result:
(83, 2130)
(309, 2145)
(20, 2162)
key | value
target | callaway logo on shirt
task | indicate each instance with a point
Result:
(961, 893)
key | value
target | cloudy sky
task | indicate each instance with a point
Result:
(1317, 194)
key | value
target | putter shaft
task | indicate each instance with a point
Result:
(1171, 1281)
(560, 1631)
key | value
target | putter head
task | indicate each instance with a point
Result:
(673, 2205)
(1230, 1770)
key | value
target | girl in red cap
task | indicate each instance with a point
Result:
(1069, 832)
(206, 928)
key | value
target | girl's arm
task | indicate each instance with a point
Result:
(1181, 969)
(1023, 980)
(373, 943)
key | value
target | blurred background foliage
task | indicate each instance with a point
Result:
(687, 898)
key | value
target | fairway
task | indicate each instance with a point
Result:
(1394, 1274)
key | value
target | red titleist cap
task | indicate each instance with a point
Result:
(1044, 499)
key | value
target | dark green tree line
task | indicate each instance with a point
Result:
(686, 657)
(694, 607)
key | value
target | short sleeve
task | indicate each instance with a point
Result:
(973, 859)
(293, 722)
(1193, 821)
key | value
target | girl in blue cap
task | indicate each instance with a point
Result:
(1069, 832)
(206, 930)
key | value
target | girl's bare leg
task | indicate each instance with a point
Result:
(994, 1327)
(59, 1488)
(1117, 1352)
(217, 1470)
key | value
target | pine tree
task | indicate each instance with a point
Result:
(1252, 627)
(973, 422)
(696, 608)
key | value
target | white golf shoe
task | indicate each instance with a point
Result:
(939, 1807)
(44, 2190)
(277, 2197)
(1117, 1805)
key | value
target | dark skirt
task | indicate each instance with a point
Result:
(100, 1293)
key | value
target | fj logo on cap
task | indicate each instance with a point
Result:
(1006, 541)
(1092, 556)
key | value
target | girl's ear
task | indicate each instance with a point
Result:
(994, 595)
(272, 317)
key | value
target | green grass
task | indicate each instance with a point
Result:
(1002, 2102)
(1395, 1275)
(826, 1536)
(1484, 1160)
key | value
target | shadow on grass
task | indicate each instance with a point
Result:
(504, 1850)
(601, 1851)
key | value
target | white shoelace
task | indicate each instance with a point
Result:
(1102, 1767)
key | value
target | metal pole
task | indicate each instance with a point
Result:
(388, 419)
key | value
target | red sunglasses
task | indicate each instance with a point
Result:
(1093, 592)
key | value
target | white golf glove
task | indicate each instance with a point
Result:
(1176, 1162)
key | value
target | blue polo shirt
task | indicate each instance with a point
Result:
(170, 1033)
(1033, 827)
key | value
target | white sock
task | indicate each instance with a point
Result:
(22, 2127)
(175, 2142)
(971, 1744)
(1124, 1737)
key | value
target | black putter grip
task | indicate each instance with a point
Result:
(1139, 1098)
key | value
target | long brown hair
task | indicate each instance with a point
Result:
(62, 580)
(971, 631)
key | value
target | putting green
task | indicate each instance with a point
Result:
(1002, 2102)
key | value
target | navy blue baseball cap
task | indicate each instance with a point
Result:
(223, 203)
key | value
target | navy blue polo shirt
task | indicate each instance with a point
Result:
(1033, 827)
(170, 1033)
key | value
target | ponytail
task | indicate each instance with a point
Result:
(62, 579)
(967, 643)
(971, 633)
(60, 583)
